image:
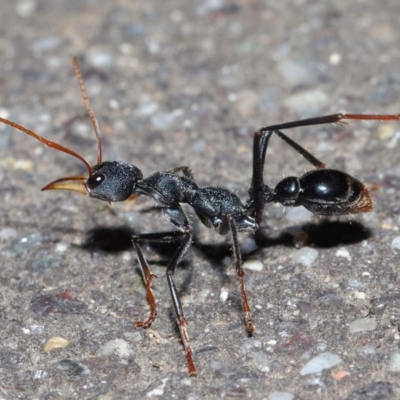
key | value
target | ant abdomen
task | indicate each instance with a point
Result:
(324, 192)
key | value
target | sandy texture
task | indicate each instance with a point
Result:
(186, 83)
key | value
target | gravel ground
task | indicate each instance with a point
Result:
(186, 83)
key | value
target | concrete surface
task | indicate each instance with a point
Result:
(186, 83)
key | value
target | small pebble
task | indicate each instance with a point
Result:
(281, 396)
(106, 396)
(224, 294)
(396, 243)
(4, 113)
(25, 8)
(61, 247)
(394, 363)
(134, 337)
(341, 374)
(262, 359)
(47, 43)
(246, 102)
(147, 107)
(295, 73)
(120, 347)
(386, 131)
(335, 58)
(159, 390)
(250, 344)
(307, 102)
(366, 350)
(320, 362)
(359, 295)
(253, 265)
(54, 343)
(363, 324)
(70, 367)
(100, 59)
(7, 233)
(305, 256)
(343, 252)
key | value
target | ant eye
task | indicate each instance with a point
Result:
(94, 181)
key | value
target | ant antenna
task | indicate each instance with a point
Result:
(58, 146)
(47, 142)
(89, 109)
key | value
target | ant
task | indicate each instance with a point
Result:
(322, 191)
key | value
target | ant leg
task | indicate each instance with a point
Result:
(148, 277)
(257, 187)
(331, 119)
(176, 216)
(301, 150)
(248, 315)
(326, 119)
(180, 317)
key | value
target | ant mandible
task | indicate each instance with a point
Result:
(322, 191)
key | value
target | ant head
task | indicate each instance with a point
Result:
(113, 181)
(108, 181)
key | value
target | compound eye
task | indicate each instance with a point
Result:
(94, 180)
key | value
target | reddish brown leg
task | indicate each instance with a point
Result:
(177, 215)
(248, 315)
(148, 279)
(182, 325)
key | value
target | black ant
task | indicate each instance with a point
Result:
(322, 191)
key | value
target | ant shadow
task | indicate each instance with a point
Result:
(324, 234)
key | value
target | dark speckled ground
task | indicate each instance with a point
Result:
(186, 83)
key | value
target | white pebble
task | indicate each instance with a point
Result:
(394, 362)
(223, 294)
(7, 233)
(363, 324)
(335, 58)
(320, 362)
(253, 265)
(61, 247)
(305, 256)
(295, 73)
(307, 102)
(159, 390)
(100, 59)
(25, 8)
(396, 243)
(120, 347)
(262, 359)
(281, 396)
(359, 295)
(4, 113)
(343, 252)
